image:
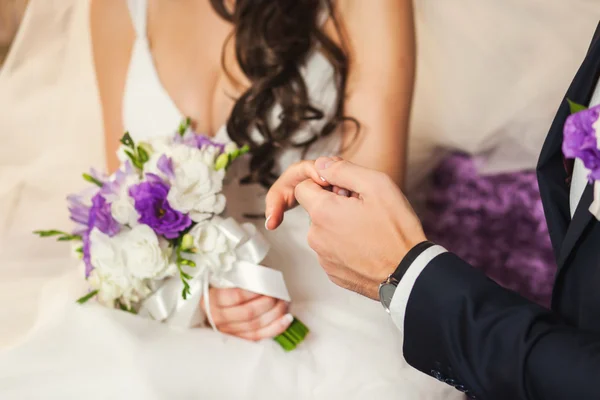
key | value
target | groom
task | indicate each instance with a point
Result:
(459, 326)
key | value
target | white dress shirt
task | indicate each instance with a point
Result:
(579, 182)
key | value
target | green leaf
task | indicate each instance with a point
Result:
(124, 308)
(184, 125)
(49, 233)
(143, 156)
(131, 156)
(222, 162)
(93, 180)
(134, 159)
(185, 292)
(69, 238)
(245, 149)
(239, 152)
(63, 236)
(79, 250)
(186, 276)
(575, 108)
(187, 242)
(88, 296)
(188, 263)
(127, 141)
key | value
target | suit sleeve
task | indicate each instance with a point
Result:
(462, 328)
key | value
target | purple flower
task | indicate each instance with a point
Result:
(580, 140)
(150, 200)
(87, 258)
(111, 187)
(97, 175)
(165, 165)
(204, 141)
(199, 141)
(100, 217)
(79, 212)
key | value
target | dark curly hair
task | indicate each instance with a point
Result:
(273, 39)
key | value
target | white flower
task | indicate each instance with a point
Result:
(196, 188)
(122, 205)
(160, 147)
(109, 276)
(145, 256)
(212, 248)
(109, 291)
(112, 276)
(124, 212)
(231, 147)
(121, 155)
(159, 144)
(182, 153)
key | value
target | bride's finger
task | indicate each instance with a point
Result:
(340, 191)
(279, 309)
(280, 197)
(275, 328)
(244, 312)
(229, 297)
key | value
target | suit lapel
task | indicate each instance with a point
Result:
(552, 176)
(581, 219)
(553, 186)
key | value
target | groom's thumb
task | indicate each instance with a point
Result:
(338, 172)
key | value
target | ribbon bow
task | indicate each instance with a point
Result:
(167, 305)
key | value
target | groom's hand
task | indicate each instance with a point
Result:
(361, 239)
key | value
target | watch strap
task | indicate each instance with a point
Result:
(410, 258)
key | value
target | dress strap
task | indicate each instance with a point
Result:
(324, 14)
(138, 9)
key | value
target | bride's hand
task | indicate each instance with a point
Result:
(281, 198)
(248, 315)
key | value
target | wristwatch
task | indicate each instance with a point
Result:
(387, 288)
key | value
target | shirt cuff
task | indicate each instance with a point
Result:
(402, 294)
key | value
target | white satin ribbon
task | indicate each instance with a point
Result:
(167, 305)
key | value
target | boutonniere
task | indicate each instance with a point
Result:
(580, 140)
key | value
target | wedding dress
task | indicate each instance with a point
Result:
(353, 351)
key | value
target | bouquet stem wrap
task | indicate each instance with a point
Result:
(167, 305)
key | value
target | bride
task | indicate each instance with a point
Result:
(292, 80)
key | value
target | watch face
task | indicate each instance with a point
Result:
(386, 293)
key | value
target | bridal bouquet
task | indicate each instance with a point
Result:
(152, 239)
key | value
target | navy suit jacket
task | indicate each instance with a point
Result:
(491, 343)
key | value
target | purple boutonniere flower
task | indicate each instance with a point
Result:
(150, 198)
(580, 140)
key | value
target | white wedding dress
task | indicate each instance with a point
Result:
(86, 352)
